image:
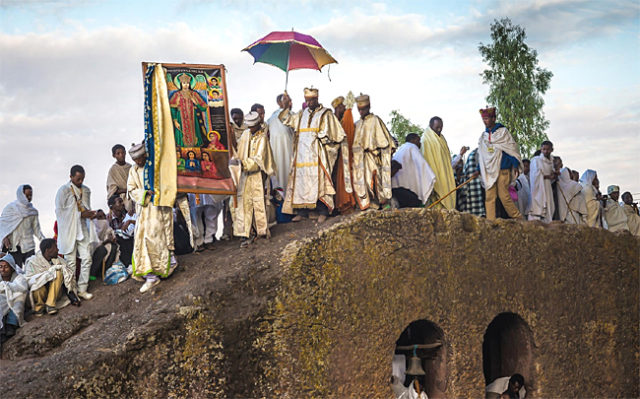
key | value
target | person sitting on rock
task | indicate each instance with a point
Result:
(13, 293)
(46, 272)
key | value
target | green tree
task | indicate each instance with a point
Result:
(401, 126)
(516, 84)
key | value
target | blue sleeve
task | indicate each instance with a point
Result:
(508, 161)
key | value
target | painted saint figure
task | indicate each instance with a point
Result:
(214, 141)
(209, 168)
(192, 163)
(180, 162)
(188, 111)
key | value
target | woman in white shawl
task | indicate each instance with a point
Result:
(572, 207)
(588, 181)
(18, 224)
(13, 293)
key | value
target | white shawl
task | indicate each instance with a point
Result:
(415, 175)
(615, 216)
(490, 154)
(542, 203)
(568, 190)
(70, 227)
(39, 272)
(15, 212)
(13, 293)
(592, 203)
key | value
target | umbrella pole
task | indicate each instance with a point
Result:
(286, 81)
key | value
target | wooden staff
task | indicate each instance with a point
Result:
(452, 191)
(568, 207)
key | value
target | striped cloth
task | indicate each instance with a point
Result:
(473, 193)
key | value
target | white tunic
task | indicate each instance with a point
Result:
(281, 140)
(71, 226)
(542, 204)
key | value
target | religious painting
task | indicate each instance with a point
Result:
(199, 113)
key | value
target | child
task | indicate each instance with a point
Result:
(117, 176)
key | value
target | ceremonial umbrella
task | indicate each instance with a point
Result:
(288, 51)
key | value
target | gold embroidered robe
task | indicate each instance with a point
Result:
(372, 147)
(254, 154)
(318, 137)
(153, 239)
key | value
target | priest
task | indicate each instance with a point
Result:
(318, 138)
(372, 148)
(345, 201)
(257, 166)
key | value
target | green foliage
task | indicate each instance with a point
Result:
(401, 126)
(516, 84)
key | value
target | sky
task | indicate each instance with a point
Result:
(71, 76)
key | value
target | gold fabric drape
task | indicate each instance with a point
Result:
(154, 230)
(345, 200)
(254, 153)
(372, 148)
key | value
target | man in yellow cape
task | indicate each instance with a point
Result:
(436, 152)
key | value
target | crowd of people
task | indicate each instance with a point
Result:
(314, 163)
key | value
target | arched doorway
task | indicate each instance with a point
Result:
(433, 361)
(507, 349)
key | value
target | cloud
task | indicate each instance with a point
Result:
(549, 24)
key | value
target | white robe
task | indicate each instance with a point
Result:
(281, 140)
(615, 216)
(71, 226)
(542, 205)
(490, 148)
(633, 219)
(13, 293)
(571, 205)
(19, 221)
(415, 175)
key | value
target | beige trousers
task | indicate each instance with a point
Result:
(501, 188)
(48, 294)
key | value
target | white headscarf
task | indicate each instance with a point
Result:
(15, 212)
(13, 293)
(587, 177)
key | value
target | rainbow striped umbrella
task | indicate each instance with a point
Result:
(288, 51)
